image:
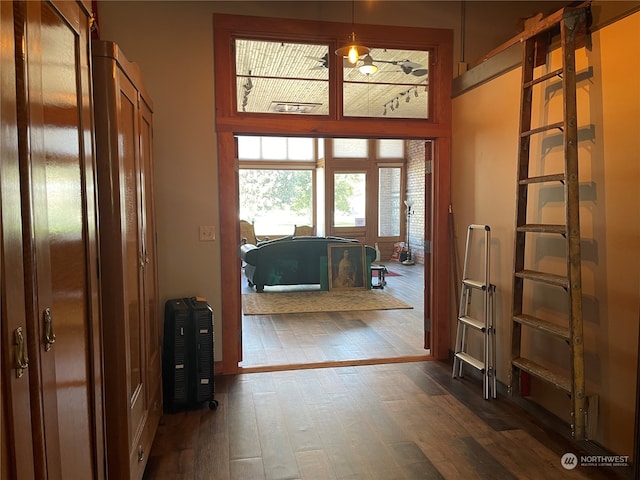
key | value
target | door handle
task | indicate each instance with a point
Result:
(22, 361)
(49, 334)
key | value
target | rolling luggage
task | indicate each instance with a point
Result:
(187, 355)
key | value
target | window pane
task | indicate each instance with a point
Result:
(349, 197)
(276, 148)
(249, 148)
(282, 77)
(397, 89)
(300, 148)
(390, 148)
(276, 200)
(389, 202)
(350, 148)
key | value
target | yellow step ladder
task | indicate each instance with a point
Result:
(481, 319)
(572, 25)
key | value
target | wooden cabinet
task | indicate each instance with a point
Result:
(51, 357)
(130, 321)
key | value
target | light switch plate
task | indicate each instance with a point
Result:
(207, 233)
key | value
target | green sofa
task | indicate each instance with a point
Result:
(294, 261)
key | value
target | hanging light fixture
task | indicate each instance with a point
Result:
(352, 50)
(368, 66)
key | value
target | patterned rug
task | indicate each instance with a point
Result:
(270, 303)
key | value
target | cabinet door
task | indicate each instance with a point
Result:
(60, 243)
(17, 453)
(131, 215)
(151, 313)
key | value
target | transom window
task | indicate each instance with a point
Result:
(294, 79)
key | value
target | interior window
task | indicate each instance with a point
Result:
(387, 83)
(282, 77)
(293, 78)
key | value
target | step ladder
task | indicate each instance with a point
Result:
(482, 320)
(572, 25)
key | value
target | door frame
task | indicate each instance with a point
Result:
(230, 123)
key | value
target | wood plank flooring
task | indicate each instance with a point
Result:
(339, 337)
(375, 410)
(386, 421)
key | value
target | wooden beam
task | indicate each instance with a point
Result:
(532, 29)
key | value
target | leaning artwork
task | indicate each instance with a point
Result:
(346, 266)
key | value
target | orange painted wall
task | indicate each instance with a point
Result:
(485, 132)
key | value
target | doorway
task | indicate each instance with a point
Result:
(233, 87)
(394, 176)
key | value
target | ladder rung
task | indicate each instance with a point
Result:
(537, 370)
(474, 284)
(556, 177)
(543, 228)
(473, 322)
(474, 362)
(542, 78)
(550, 278)
(543, 325)
(545, 128)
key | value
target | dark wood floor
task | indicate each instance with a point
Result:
(387, 421)
(338, 337)
(403, 418)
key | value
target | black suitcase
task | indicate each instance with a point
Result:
(187, 355)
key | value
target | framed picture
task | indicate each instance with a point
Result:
(347, 266)
(398, 249)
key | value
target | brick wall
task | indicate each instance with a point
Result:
(415, 191)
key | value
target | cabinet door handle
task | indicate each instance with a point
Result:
(140, 453)
(49, 334)
(22, 361)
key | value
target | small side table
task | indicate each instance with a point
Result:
(382, 270)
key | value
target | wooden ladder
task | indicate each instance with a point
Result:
(572, 23)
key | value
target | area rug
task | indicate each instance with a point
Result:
(270, 303)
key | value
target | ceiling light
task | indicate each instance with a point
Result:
(352, 51)
(367, 66)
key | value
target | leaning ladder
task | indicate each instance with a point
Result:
(484, 325)
(571, 22)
